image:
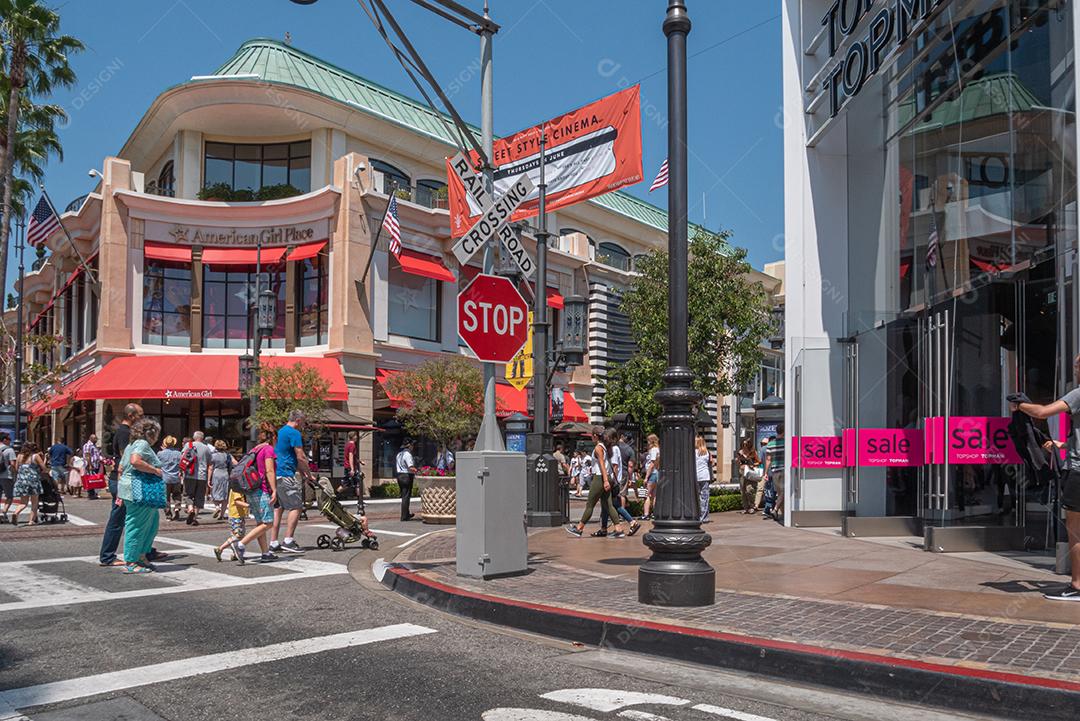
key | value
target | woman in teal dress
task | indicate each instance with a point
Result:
(141, 488)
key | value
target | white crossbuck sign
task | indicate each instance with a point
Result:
(494, 216)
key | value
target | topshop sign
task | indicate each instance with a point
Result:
(889, 28)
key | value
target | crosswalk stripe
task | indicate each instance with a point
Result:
(60, 691)
(37, 588)
(78, 521)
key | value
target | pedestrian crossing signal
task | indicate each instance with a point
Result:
(519, 371)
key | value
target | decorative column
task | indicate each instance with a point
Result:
(676, 574)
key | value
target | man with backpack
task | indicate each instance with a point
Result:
(194, 462)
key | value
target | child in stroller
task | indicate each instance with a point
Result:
(350, 528)
(51, 503)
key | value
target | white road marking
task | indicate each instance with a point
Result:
(730, 713)
(530, 714)
(37, 588)
(60, 691)
(642, 715)
(376, 531)
(414, 540)
(603, 699)
(77, 521)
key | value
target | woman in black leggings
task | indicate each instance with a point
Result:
(602, 486)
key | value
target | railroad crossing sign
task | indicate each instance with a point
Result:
(494, 216)
(492, 318)
(519, 371)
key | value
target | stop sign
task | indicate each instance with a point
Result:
(492, 318)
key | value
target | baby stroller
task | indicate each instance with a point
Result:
(350, 528)
(51, 503)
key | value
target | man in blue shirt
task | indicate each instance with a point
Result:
(59, 454)
(292, 469)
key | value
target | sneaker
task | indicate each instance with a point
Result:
(268, 558)
(574, 531)
(217, 554)
(1068, 593)
(275, 546)
(237, 551)
(292, 547)
(617, 534)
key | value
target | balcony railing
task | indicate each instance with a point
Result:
(74, 205)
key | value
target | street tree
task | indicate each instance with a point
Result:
(441, 399)
(35, 141)
(729, 317)
(34, 62)
(289, 387)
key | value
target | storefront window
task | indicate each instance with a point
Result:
(312, 306)
(227, 297)
(257, 166)
(414, 304)
(166, 303)
(224, 420)
(173, 416)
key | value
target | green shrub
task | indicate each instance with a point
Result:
(277, 192)
(725, 502)
(390, 490)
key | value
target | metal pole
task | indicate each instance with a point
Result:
(20, 235)
(676, 574)
(82, 261)
(253, 431)
(489, 438)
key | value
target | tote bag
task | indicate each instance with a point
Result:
(147, 489)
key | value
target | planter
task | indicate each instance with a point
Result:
(438, 498)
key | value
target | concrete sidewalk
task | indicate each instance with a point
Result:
(882, 617)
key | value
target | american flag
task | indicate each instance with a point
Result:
(390, 223)
(42, 223)
(661, 178)
(932, 243)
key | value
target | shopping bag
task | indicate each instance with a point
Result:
(94, 481)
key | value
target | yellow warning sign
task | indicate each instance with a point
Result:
(519, 371)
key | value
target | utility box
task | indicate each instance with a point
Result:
(491, 539)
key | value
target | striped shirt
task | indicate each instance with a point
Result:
(775, 449)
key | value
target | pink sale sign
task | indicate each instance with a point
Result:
(819, 452)
(890, 447)
(980, 439)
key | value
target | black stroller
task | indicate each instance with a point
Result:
(50, 502)
(350, 528)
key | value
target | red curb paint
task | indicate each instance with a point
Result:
(752, 640)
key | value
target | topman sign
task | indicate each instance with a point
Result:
(874, 40)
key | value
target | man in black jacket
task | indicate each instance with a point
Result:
(1070, 486)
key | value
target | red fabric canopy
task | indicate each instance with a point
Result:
(167, 251)
(554, 299)
(242, 256)
(38, 408)
(328, 368)
(174, 377)
(231, 256)
(427, 266)
(309, 250)
(67, 393)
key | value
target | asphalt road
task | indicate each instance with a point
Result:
(302, 638)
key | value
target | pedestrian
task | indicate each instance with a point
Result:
(29, 467)
(114, 528)
(170, 468)
(75, 475)
(292, 470)
(141, 491)
(603, 483)
(237, 513)
(7, 474)
(261, 500)
(195, 463)
(354, 473)
(560, 459)
(59, 453)
(405, 469)
(751, 479)
(585, 472)
(575, 472)
(703, 472)
(92, 455)
(774, 463)
(618, 468)
(652, 474)
(1070, 484)
(444, 459)
(221, 463)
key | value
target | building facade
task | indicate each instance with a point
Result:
(930, 181)
(281, 163)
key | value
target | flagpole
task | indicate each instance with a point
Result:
(89, 274)
(375, 243)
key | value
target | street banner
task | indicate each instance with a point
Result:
(589, 151)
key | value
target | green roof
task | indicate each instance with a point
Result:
(276, 62)
(988, 96)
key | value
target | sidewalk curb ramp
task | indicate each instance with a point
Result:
(903, 680)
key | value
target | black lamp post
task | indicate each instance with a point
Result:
(676, 574)
(265, 320)
(20, 238)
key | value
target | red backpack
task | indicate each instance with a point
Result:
(189, 460)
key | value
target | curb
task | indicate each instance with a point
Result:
(902, 680)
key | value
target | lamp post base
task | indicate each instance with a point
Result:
(677, 582)
(544, 519)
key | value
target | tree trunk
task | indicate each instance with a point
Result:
(8, 173)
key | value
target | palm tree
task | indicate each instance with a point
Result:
(35, 60)
(35, 141)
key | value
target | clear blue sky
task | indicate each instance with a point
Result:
(550, 56)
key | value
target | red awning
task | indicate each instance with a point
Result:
(38, 408)
(381, 375)
(167, 251)
(67, 393)
(554, 300)
(309, 250)
(509, 400)
(427, 266)
(242, 256)
(987, 266)
(328, 368)
(178, 377)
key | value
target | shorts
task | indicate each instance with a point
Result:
(236, 527)
(653, 479)
(259, 502)
(59, 476)
(7, 488)
(290, 496)
(1070, 491)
